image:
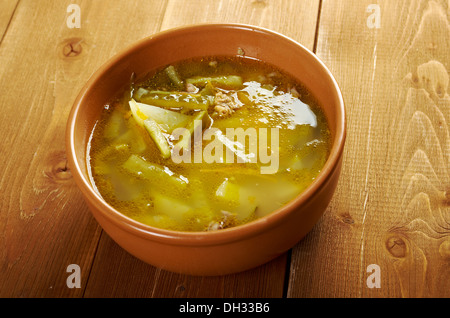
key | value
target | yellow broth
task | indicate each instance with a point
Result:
(210, 188)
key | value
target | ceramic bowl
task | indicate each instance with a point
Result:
(229, 250)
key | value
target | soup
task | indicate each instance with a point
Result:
(207, 144)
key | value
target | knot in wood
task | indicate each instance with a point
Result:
(259, 3)
(181, 288)
(59, 170)
(72, 47)
(447, 197)
(396, 246)
(444, 249)
(346, 218)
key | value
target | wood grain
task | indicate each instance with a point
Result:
(6, 12)
(45, 224)
(391, 207)
(118, 274)
(296, 19)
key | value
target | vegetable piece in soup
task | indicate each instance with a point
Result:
(207, 144)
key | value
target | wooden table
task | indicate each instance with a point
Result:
(386, 232)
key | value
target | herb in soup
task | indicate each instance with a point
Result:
(207, 144)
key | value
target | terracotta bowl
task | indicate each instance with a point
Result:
(229, 250)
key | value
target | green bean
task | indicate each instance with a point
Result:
(174, 77)
(226, 81)
(158, 137)
(115, 126)
(173, 100)
(152, 172)
(244, 98)
(139, 92)
(191, 127)
(208, 90)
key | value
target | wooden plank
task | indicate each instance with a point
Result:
(391, 207)
(292, 18)
(6, 13)
(296, 19)
(44, 222)
(117, 274)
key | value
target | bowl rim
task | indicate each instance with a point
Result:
(196, 238)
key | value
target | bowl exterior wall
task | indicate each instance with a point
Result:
(249, 247)
(224, 258)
